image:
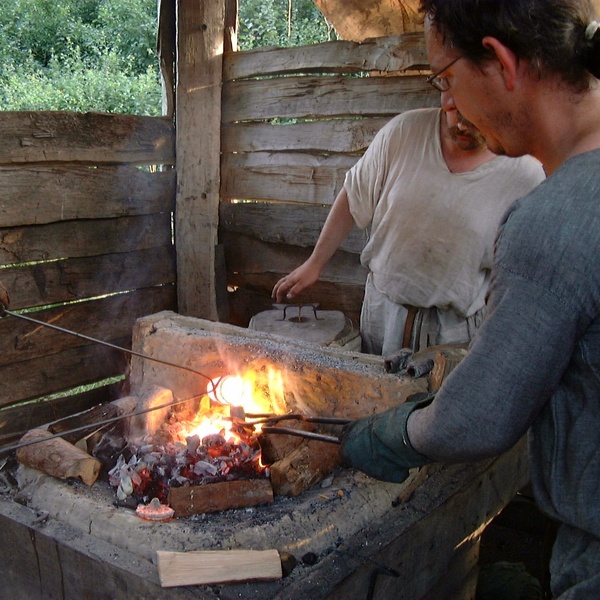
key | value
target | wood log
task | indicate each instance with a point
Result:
(276, 447)
(214, 497)
(57, 457)
(217, 566)
(444, 363)
(308, 464)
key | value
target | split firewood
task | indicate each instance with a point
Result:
(201, 567)
(214, 497)
(276, 447)
(308, 464)
(444, 363)
(4, 298)
(57, 457)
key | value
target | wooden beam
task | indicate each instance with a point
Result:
(383, 54)
(93, 138)
(77, 239)
(80, 192)
(306, 97)
(77, 278)
(200, 34)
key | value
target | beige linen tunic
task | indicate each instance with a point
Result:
(431, 232)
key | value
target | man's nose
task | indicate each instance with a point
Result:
(447, 100)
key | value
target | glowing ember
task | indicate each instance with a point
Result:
(215, 446)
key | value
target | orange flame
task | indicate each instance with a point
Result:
(239, 391)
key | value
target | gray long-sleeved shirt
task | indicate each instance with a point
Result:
(535, 366)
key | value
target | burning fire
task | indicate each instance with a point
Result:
(216, 445)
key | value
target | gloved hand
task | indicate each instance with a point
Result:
(379, 445)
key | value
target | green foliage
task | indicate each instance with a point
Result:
(82, 55)
(267, 23)
(99, 55)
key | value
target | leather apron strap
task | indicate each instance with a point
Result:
(409, 325)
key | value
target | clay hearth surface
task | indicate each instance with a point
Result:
(317, 521)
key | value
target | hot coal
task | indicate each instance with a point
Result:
(150, 467)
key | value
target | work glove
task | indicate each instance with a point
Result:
(379, 445)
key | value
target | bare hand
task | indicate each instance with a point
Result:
(291, 285)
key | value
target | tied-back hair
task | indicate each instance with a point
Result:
(550, 34)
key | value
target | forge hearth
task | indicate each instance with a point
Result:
(345, 528)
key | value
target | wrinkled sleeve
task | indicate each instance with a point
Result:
(364, 181)
(514, 365)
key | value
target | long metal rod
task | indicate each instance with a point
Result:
(331, 439)
(103, 343)
(98, 425)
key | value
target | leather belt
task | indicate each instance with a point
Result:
(409, 325)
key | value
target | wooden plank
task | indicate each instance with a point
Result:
(45, 375)
(78, 278)
(80, 192)
(295, 224)
(17, 419)
(92, 138)
(334, 135)
(48, 560)
(293, 177)
(246, 255)
(449, 510)
(393, 53)
(315, 97)
(200, 34)
(105, 319)
(77, 239)
(200, 567)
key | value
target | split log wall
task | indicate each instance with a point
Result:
(293, 122)
(86, 205)
(87, 202)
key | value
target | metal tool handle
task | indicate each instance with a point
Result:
(331, 439)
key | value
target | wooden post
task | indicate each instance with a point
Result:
(200, 34)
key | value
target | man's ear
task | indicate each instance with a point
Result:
(507, 60)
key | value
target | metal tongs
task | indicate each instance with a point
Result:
(268, 420)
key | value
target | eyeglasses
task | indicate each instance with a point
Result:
(441, 83)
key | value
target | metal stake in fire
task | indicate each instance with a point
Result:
(220, 397)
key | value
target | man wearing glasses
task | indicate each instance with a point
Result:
(528, 74)
(431, 195)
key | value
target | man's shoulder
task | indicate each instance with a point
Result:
(520, 167)
(415, 116)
